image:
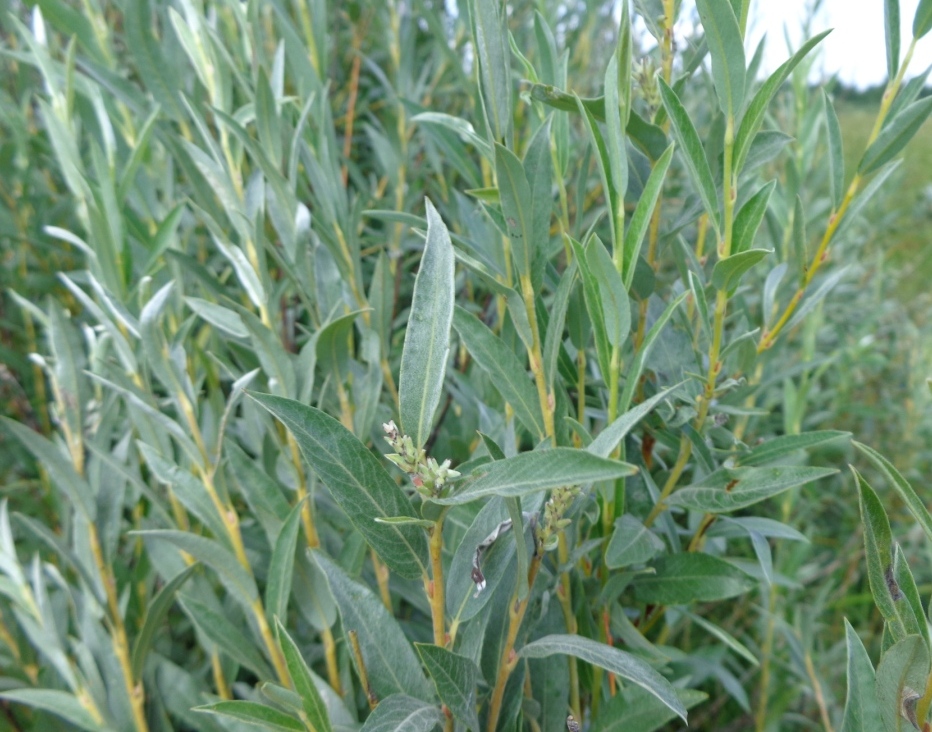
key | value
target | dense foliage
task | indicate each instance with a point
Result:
(612, 299)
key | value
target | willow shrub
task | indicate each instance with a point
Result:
(617, 274)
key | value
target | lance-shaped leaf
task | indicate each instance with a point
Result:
(631, 543)
(879, 553)
(490, 33)
(155, 616)
(614, 299)
(728, 272)
(427, 337)
(253, 713)
(390, 660)
(540, 470)
(303, 683)
(635, 710)
(622, 664)
(891, 26)
(912, 500)
(357, 481)
(684, 578)
(610, 437)
(727, 50)
(690, 146)
(455, 678)
(400, 713)
(754, 116)
(862, 711)
(749, 218)
(515, 194)
(836, 157)
(58, 466)
(643, 212)
(60, 703)
(281, 565)
(895, 135)
(507, 373)
(922, 20)
(730, 489)
(788, 444)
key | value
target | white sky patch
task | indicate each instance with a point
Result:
(855, 49)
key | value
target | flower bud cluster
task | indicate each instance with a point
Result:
(646, 86)
(427, 475)
(553, 522)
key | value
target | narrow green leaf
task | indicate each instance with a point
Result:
(633, 375)
(357, 482)
(400, 713)
(390, 660)
(730, 489)
(490, 35)
(59, 703)
(622, 664)
(901, 674)
(690, 146)
(507, 373)
(922, 20)
(515, 194)
(460, 126)
(553, 339)
(643, 212)
(783, 445)
(891, 26)
(517, 522)
(909, 608)
(427, 337)
(300, 675)
(227, 636)
(155, 617)
(895, 135)
(757, 108)
(726, 47)
(405, 521)
(258, 715)
(238, 580)
(281, 565)
(455, 679)
(914, 503)
(635, 710)
(725, 637)
(189, 491)
(612, 294)
(631, 543)
(593, 305)
(728, 272)
(862, 710)
(616, 112)
(878, 543)
(681, 579)
(604, 161)
(749, 218)
(836, 158)
(58, 466)
(218, 316)
(529, 472)
(610, 437)
(538, 170)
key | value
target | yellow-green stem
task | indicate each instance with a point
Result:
(509, 659)
(434, 586)
(768, 337)
(361, 669)
(566, 604)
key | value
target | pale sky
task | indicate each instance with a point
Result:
(855, 48)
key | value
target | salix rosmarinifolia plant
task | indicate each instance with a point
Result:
(610, 277)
